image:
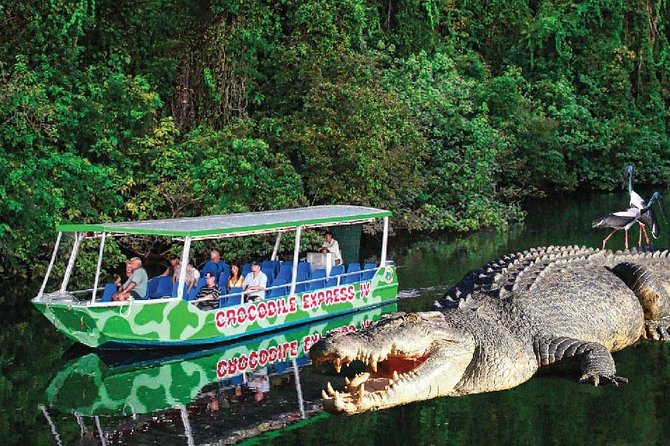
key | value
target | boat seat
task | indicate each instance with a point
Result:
(318, 284)
(152, 285)
(270, 275)
(334, 272)
(353, 273)
(369, 271)
(196, 289)
(163, 287)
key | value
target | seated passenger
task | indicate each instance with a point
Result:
(136, 285)
(331, 245)
(208, 296)
(215, 265)
(235, 280)
(119, 281)
(174, 269)
(255, 283)
(192, 275)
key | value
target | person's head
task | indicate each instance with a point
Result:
(255, 266)
(211, 279)
(215, 255)
(174, 260)
(129, 269)
(135, 263)
(235, 269)
(328, 236)
(258, 395)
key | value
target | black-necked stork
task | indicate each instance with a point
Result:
(625, 219)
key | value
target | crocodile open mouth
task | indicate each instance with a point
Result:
(382, 377)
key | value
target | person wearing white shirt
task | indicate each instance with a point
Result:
(255, 283)
(330, 245)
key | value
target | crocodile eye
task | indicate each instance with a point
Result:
(412, 318)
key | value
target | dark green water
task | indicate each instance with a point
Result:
(546, 410)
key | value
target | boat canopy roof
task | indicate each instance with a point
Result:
(237, 224)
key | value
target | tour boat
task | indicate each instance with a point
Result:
(167, 318)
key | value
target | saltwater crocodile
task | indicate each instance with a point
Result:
(542, 309)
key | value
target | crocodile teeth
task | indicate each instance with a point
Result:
(330, 389)
(361, 390)
(347, 381)
(359, 379)
(395, 376)
(373, 365)
(324, 395)
(337, 362)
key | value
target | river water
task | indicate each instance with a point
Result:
(52, 393)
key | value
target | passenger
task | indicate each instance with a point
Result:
(215, 265)
(174, 269)
(255, 283)
(208, 296)
(235, 280)
(331, 245)
(136, 285)
(192, 275)
(119, 281)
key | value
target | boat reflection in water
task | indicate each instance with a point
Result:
(226, 393)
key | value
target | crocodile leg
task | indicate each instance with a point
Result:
(658, 329)
(595, 361)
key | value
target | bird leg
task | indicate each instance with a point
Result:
(626, 231)
(639, 239)
(608, 237)
(646, 236)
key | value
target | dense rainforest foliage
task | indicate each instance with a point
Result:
(448, 112)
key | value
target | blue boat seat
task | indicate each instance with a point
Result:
(305, 267)
(334, 272)
(175, 288)
(369, 271)
(246, 269)
(163, 287)
(301, 278)
(285, 272)
(315, 284)
(196, 289)
(108, 292)
(280, 367)
(277, 290)
(353, 273)
(232, 298)
(152, 285)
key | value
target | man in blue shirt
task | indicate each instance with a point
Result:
(213, 266)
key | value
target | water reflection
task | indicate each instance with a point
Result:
(230, 392)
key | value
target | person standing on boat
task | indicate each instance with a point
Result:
(174, 269)
(136, 285)
(330, 245)
(208, 296)
(235, 280)
(255, 283)
(214, 266)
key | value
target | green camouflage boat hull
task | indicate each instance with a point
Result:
(175, 322)
(87, 386)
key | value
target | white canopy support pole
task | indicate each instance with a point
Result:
(296, 253)
(78, 237)
(298, 389)
(51, 265)
(54, 432)
(101, 433)
(275, 250)
(97, 268)
(182, 268)
(188, 432)
(385, 237)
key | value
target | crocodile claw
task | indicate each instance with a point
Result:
(596, 379)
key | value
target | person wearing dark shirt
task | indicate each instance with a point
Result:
(208, 296)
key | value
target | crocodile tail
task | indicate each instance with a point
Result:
(652, 296)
